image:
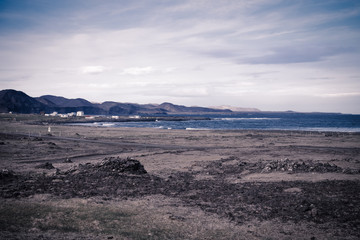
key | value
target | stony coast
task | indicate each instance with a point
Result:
(129, 183)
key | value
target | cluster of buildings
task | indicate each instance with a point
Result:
(66, 115)
(81, 114)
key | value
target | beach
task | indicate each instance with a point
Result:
(77, 182)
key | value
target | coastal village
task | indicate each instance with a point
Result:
(89, 117)
(66, 115)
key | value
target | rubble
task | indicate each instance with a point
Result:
(295, 201)
(6, 174)
(286, 165)
(119, 165)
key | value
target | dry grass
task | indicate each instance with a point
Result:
(154, 217)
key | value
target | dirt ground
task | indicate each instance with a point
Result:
(77, 182)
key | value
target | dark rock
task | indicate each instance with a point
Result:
(46, 165)
(37, 139)
(6, 174)
(122, 165)
(68, 160)
(351, 171)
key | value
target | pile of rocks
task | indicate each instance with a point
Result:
(6, 174)
(112, 166)
(287, 165)
(116, 164)
(46, 165)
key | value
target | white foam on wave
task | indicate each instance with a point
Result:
(98, 124)
(108, 124)
(236, 119)
(162, 127)
(197, 129)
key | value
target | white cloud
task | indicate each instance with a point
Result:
(97, 86)
(92, 69)
(138, 70)
(338, 95)
(188, 92)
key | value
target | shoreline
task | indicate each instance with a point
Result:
(164, 122)
(311, 130)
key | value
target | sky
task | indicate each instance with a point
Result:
(274, 55)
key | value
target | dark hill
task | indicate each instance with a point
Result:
(63, 102)
(172, 108)
(115, 108)
(19, 102)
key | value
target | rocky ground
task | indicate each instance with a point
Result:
(167, 184)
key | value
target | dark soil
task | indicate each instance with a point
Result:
(333, 202)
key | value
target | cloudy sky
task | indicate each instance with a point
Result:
(301, 55)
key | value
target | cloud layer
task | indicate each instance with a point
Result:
(273, 55)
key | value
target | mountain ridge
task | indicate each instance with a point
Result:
(63, 102)
(19, 102)
(235, 109)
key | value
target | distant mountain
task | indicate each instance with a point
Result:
(63, 102)
(19, 102)
(65, 105)
(172, 108)
(115, 108)
(236, 109)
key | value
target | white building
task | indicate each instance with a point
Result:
(79, 113)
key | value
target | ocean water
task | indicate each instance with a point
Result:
(261, 121)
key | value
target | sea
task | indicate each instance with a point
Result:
(320, 122)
